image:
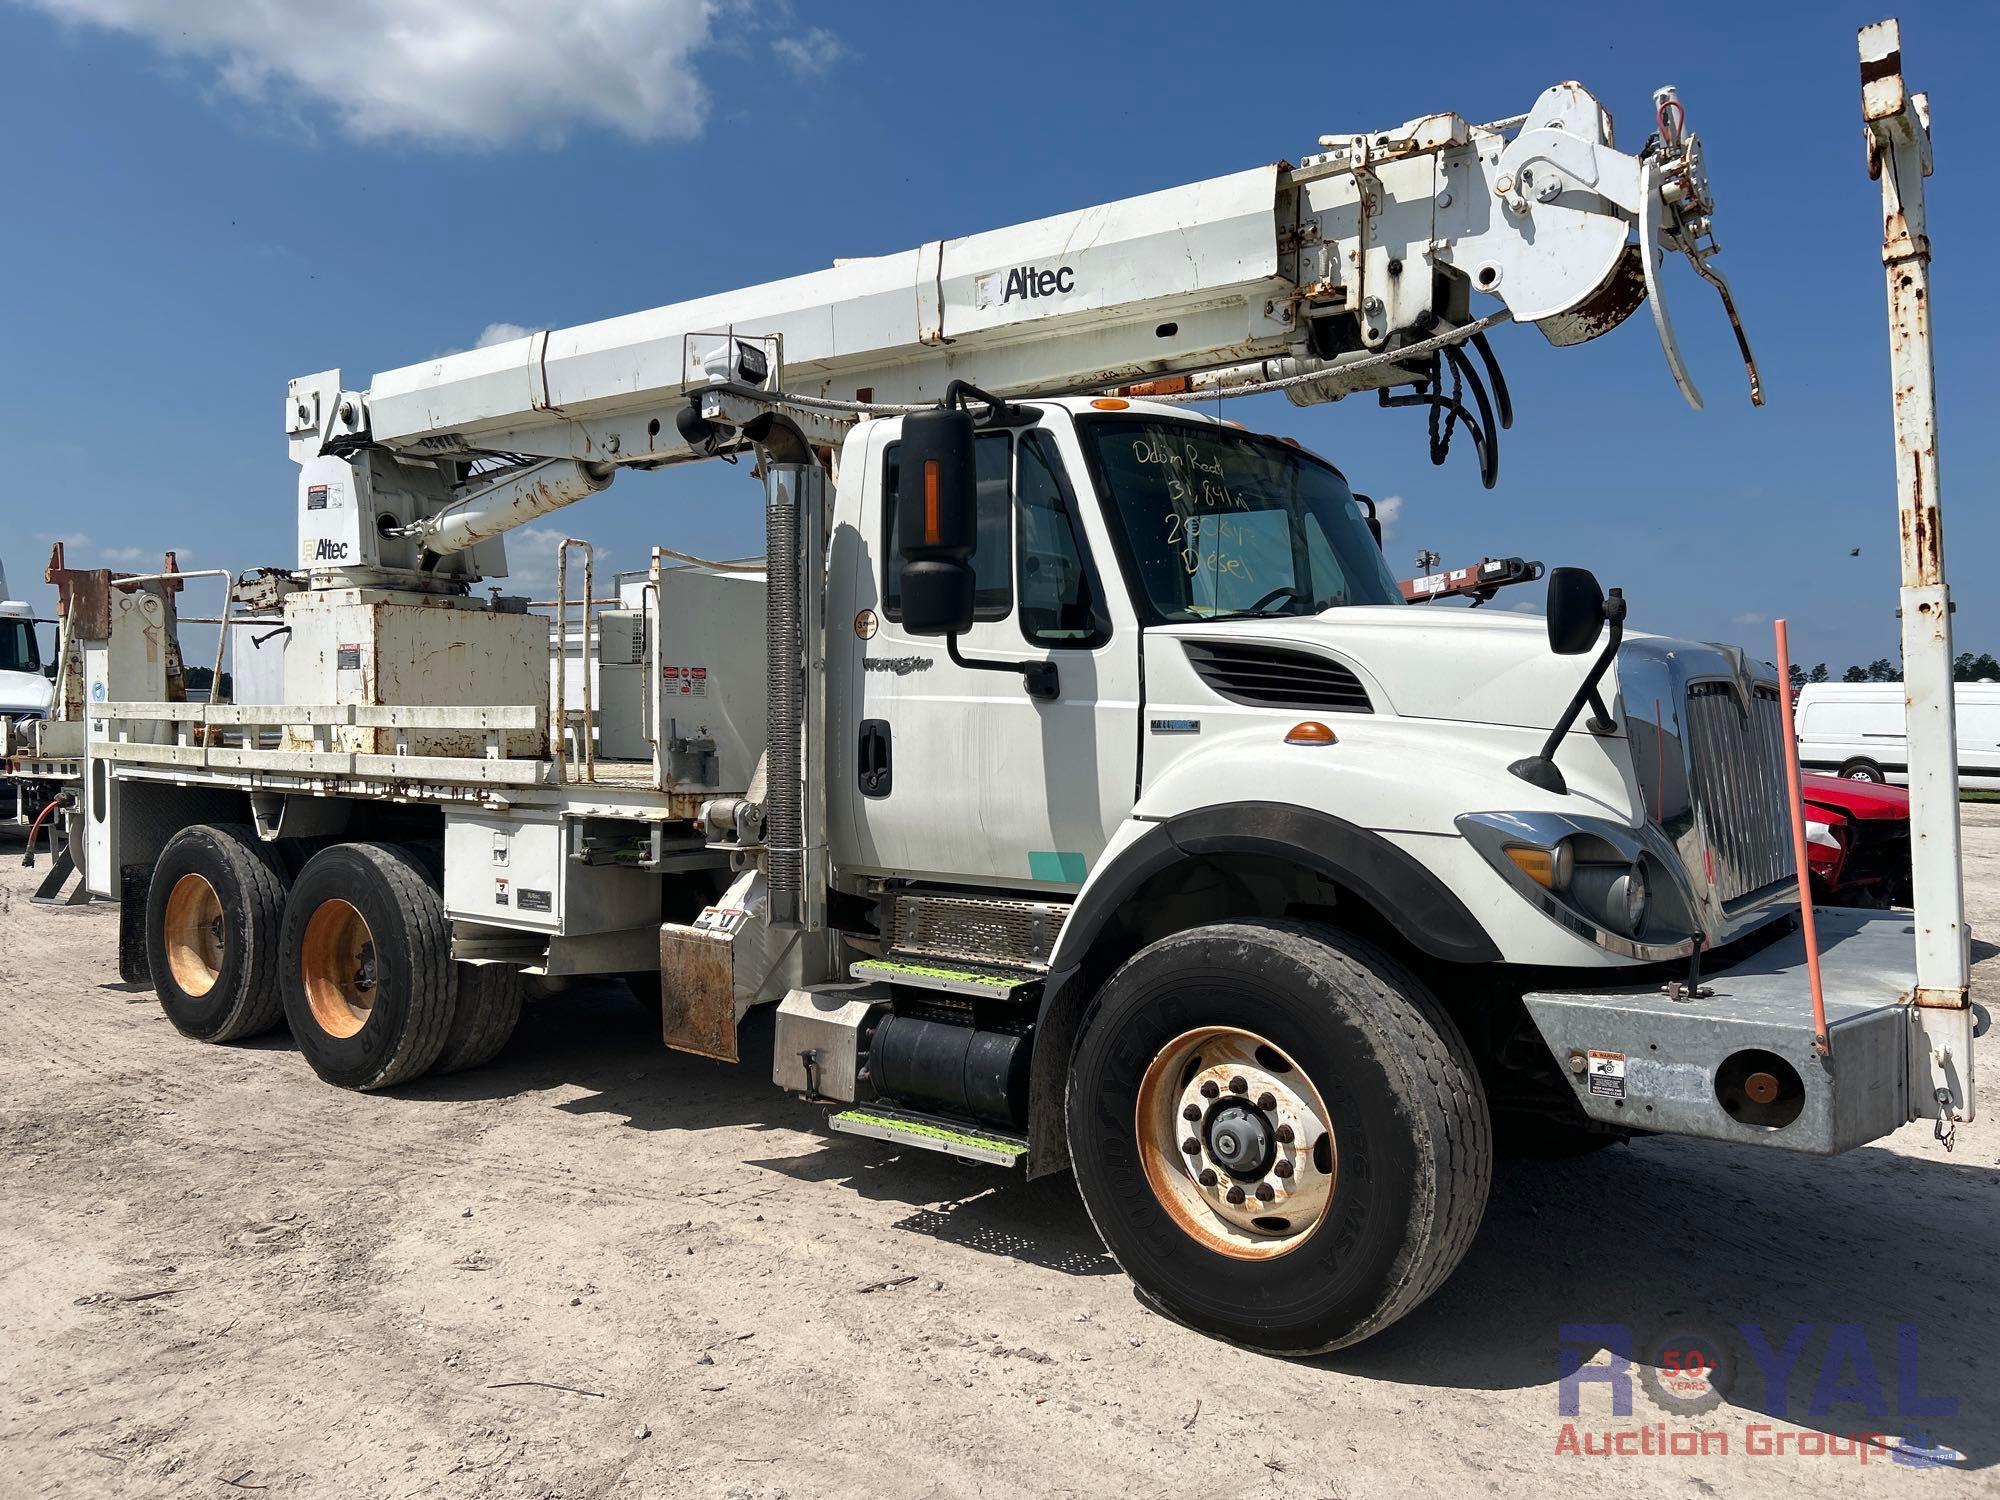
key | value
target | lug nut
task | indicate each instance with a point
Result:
(1235, 1195)
(1191, 1146)
(1238, 1086)
(1209, 1090)
(1265, 1192)
(1207, 1178)
(1192, 1112)
(1267, 1101)
(1283, 1169)
(1284, 1133)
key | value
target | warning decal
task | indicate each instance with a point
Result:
(688, 682)
(1607, 1074)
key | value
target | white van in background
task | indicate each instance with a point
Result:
(1857, 729)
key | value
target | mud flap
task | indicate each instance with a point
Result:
(135, 883)
(714, 969)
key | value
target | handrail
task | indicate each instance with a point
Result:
(587, 738)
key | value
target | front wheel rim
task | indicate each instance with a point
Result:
(337, 961)
(1261, 1173)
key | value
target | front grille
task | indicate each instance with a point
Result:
(976, 929)
(1740, 797)
(1272, 677)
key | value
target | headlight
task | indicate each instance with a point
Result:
(1615, 886)
(1617, 895)
(1636, 895)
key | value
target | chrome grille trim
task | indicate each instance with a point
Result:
(1740, 795)
(1705, 729)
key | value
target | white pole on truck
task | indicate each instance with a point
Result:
(1899, 156)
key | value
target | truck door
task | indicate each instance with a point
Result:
(956, 774)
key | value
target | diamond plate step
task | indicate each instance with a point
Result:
(956, 979)
(928, 1133)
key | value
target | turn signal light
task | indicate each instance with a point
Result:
(1548, 868)
(1310, 732)
(1110, 403)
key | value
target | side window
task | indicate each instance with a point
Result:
(992, 560)
(1061, 603)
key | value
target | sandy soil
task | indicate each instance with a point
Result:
(599, 1269)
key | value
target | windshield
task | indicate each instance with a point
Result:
(17, 647)
(1214, 523)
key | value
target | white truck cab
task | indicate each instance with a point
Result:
(25, 690)
(1222, 644)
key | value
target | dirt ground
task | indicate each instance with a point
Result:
(600, 1269)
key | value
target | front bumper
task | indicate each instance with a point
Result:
(1739, 1064)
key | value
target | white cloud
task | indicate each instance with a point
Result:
(448, 72)
(810, 53)
(500, 333)
(122, 554)
(531, 563)
(72, 541)
(1750, 619)
(1388, 510)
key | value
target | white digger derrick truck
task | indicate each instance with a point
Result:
(1071, 776)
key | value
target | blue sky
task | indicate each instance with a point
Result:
(205, 206)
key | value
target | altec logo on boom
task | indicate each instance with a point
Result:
(1031, 281)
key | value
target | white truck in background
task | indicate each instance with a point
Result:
(25, 695)
(1073, 778)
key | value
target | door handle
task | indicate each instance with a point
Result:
(872, 758)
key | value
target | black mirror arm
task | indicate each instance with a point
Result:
(1042, 678)
(1540, 769)
(999, 412)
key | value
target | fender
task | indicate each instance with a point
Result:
(1419, 906)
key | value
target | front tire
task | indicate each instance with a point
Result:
(1863, 770)
(214, 913)
(1342, 1143)
(369, 986)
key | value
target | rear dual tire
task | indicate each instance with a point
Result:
(1327, 1196)
(485, 1011)
(369, 986)
(214, 918)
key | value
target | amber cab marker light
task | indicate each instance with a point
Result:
(1310, 732)
(1110, 403)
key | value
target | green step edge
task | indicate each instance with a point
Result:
(889, 969)
(935, 1132)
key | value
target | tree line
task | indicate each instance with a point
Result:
(1965, 667)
